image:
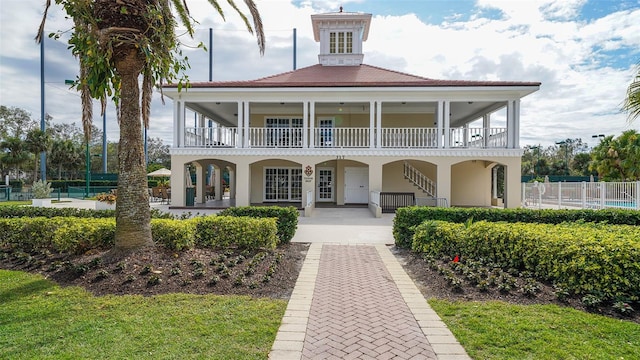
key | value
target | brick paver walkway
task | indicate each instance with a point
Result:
(357, 312)
(356, 302)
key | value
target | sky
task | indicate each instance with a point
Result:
(584, 52)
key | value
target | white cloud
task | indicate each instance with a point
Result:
(584, 66)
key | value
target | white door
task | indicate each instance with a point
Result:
(324, 185)
(356, 185)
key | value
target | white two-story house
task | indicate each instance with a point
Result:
(343, 132)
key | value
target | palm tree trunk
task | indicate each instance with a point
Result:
(133, 223)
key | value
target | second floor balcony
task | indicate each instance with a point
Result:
(345, 137)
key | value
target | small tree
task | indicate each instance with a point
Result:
(41, 189)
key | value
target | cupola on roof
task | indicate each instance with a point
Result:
(341, 35)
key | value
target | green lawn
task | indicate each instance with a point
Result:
(496, 330)
(15, 202)
(39, 320)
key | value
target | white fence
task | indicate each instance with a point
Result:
(583, 195)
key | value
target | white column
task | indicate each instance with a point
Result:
(439, 123)
(176, 123)
(247, 132)
(232, 183)
(305, 124)
(512, 185)
(243, 186)
(372, 124)
(200, 184)
(240, 142)
(218, 182)
(312, 124)
(379, 124)
(516, 123)
(443, 182)
(177, 183)
(446, 123)
(510, 124)
(486, 125)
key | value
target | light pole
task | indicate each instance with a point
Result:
(566, 155)
(87, 175)
(598, 136)
(536, 166)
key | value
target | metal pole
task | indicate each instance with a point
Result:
(294, 48)
(87, 175)
(104, 142)
(210, 54)
(43, 155)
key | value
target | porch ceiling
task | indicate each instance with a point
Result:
(226, 113)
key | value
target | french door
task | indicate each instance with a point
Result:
(284, 132)
(282, 184)
(325, 185)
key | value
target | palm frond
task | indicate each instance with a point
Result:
(183, 14)
(257, 21)
(631, 103)
(44, 19)
(215, 4)
(147, 91)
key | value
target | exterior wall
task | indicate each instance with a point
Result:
(471, 184)
(459, 179)
(393, 176)
(408, 120)
(355, 120)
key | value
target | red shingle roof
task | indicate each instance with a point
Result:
(350, 76)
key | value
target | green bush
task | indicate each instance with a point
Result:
(584, 258)
(59, 234)
(407, 218)
(77, 235)
(287, 218)
(174, 234)
(16, 211)
(243, 232)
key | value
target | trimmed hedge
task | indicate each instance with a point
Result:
(241, 231)
(287, 218)
(16, 211)
(78, 235)
(407, 218)
(584, 258)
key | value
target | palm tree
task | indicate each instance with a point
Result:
(14, 153)
(37, 141)
(116, 42)
(632, 102)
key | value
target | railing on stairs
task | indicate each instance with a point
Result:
(419, 179)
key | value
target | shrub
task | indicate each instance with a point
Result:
(287, 218)
(15, 211)
(583, 258)
(41, 189)
(173, 234)
(243, 232)
(407, 218)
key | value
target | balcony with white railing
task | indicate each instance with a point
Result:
(345, 137)
(206, 137)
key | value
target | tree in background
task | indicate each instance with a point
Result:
(13, 154)
(618, 159)
(158, 153)
(65, 155)
(116, 42)
(14, 122)
(36, 142)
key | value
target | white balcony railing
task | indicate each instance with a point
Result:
(341, 137)
(479, 137)
(275, 137)
(359, 137)
(210, 137)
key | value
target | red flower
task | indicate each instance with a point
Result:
(456, 259)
